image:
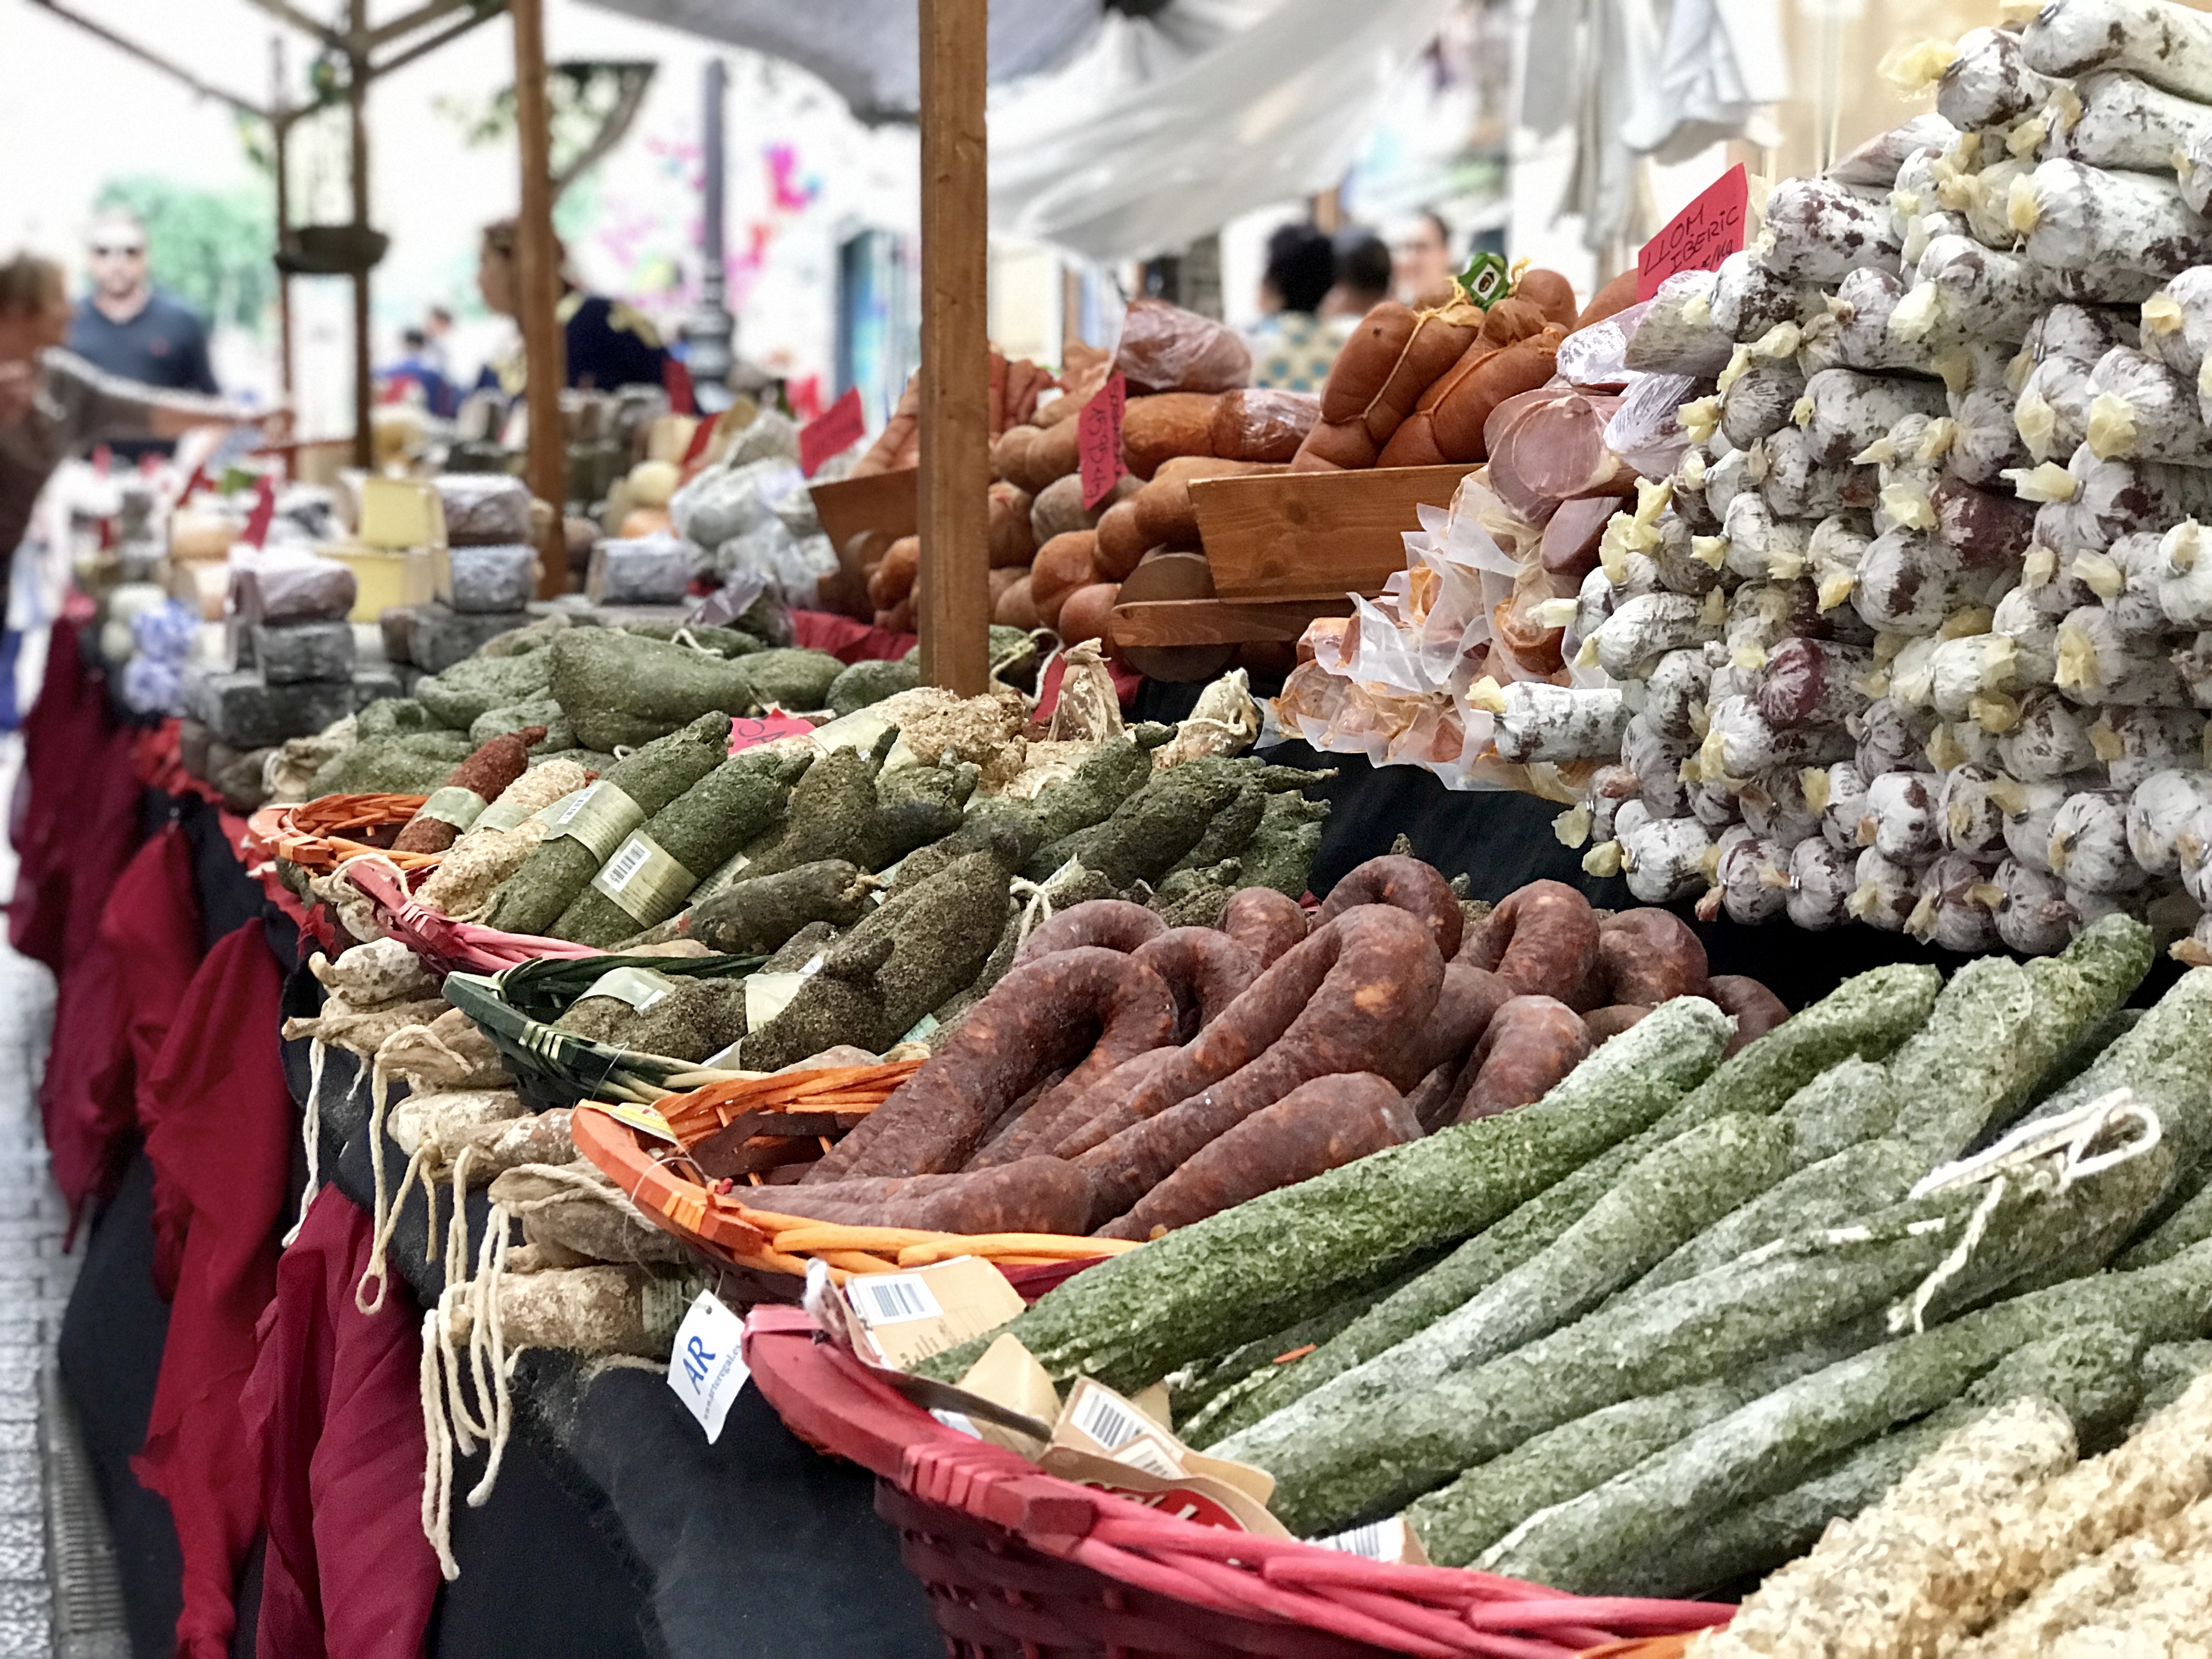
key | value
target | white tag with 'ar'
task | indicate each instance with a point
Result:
(708, 1370)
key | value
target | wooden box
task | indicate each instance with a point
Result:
(1314, 535)
(862, 517)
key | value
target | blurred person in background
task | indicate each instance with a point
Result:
(130, 329)
(437, 332)
(608, 343)
(1291, 347)
(416, 372)
(53, 403)
(1422, 254)
(1364, 268)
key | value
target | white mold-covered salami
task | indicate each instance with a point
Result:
(1541, 722)
(2185, 576)
(1902, 819)
(1775, 807)
(1644, 629)
(1975, 677)
(1884, 891)
(1910, 678)
(2161, 810)
(1666, 859)
(1909, 583)
(2030, 809)
(1611, 788)
(1593, 602)
(1955, 907)
(1822, 879)
(1983, 529)
(2139, 409)
(1763, 546)
(1686, 487)
(2101, 223)
(1875, 164)
(1893, 737)
(2115, 119)
(2126, 579)
(1713, 804)
(1676, 334)
(2034, 635)
(2051, 414)
(2192, 855)
(2169, 45)
(2034, 917)
(1762, 614)
(2097, 665)
(1658, 763)
(1962, 289)
(2089, 843)
(1968, 814)
(1753, 877)
(2192, 661)
(1852, 329)
(1989, 81)
(1740, 741)
(1760, 398)
(1844, 412)
(2091, 908)
(1675, 694)
(1833, 553)
(1819, 230)
(1797, 486)
(2136, 744)
(1748, 300)
(2050, 741)
(2177, 323)
(1727, 478)
(2112, 498)
(1809, 681)
(1681, 562)
(1839, 791)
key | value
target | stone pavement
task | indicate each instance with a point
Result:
(58, 1592)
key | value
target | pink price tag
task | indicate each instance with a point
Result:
(265, 509)
(1098, 440)
(832, 434)
(1701, 235)
(753, 729)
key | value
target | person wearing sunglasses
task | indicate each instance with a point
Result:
(130, 329)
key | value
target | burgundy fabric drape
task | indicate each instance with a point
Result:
(220, 1140)
(334, 1415)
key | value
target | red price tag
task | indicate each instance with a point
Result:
(1702, 234)
(1098, 440)
(766, 728)
(832, 434)
(265, 509)
(702, 436)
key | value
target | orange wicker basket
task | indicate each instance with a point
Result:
(321, 835)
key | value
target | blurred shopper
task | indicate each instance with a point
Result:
(130, 329)
(608, 343)
(1422, 254)
(1291, 347)
(416, 375)
(53, 402)
(437, 335)
(1363, 274)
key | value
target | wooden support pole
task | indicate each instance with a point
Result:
(364, 446)
(538, 273)
(956, 416)
(280, 147)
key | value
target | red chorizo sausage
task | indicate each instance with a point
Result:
(1409, 884)
(1542, 939)
(1085, 1008)
(1532, 1042)
(1035, 1195)
(1266, 922)
(1205, 969)
(1314, 1128)
(1381, 986)
(1052, 1115)
(1757, 1010)
(1649, 955)
(1606, 1022)
(1467, 1001)
(1112, 924)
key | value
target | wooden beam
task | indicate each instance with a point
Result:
(955, 432)
(151, 59)
(538, 280)
(429, 43)
(364, 367)
(280, 142)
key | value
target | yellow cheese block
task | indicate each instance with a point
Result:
(400, 512)
(386, 577)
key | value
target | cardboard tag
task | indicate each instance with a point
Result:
(1700, 236)
(910, 1316)
(643, 1119)
(705, 1370)
(1390, 1540)
(755, 729)
(1103, 1440)
(265, 509)
(832, 433)
(1098, 440)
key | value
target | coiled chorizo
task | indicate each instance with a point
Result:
(1111, 924)
(1206, 970)
(1417, 889)
(1265, 921)
(1542, 939)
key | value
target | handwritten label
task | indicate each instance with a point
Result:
(1700, 236)
(265, 509)
(1098, 440)
(832, 434)
(705, 1370)
(754, 730)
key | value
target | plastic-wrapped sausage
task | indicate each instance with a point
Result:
(1843, 412)
(1747, 299)
(1985, 201)
(2183, 574)
(2161, 810)
(2126, 579)
(1969, 814)
(2051, 414)
(2113, 499)
(1753, 877)
(1822, 879)
(1762, 545)
(2177, 323)
(2192, 661)
(1658, 763)
(1962, 289)
(2051, 740)
(1677, 334)
(1974, 678)
(1989, 81)
(1985, 438)
(1798, 485)
(1902, 821)
(1740, 741)
(2089, 843)
(1570, 543)
(1884, 892)
(1910, 676)
(2096, 665)
(2169, 45)
(1542, 939)
(1817, 230)
(2140, 409)
(1544, 722)
(1955, 907)
(1909, 582)
(1811, 682)
(2032, 915)
(1839, 793)
(1665, 859)
(2034, 635)
(1892, 738)
(1643, 629)
(2136, 742)
(2111, 227)
(2115, 119)
(1833, 553)
(1675, 694)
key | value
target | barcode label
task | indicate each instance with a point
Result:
(1146, 1454)
(1378, 1540)
(630, 857)
(1106, 1420)
(892, 1298)
(569, 806)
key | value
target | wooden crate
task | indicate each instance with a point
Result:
(1314, 535)
(862, 517)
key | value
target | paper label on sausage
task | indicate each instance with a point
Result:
(646, 880)
(504, 814)
(1390, 1540)
(1700, 236)
(599, 815)
(451, 804)
(640, 987)
(1098, 440)
(910, 1315)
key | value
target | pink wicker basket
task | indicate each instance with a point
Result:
(443, 945)
(1019, 1564)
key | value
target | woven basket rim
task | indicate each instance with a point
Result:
(309, 833)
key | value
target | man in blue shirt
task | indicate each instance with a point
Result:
(133, 332)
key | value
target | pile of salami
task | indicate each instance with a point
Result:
(1913, 632)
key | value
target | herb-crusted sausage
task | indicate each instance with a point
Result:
(1085, 1008)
